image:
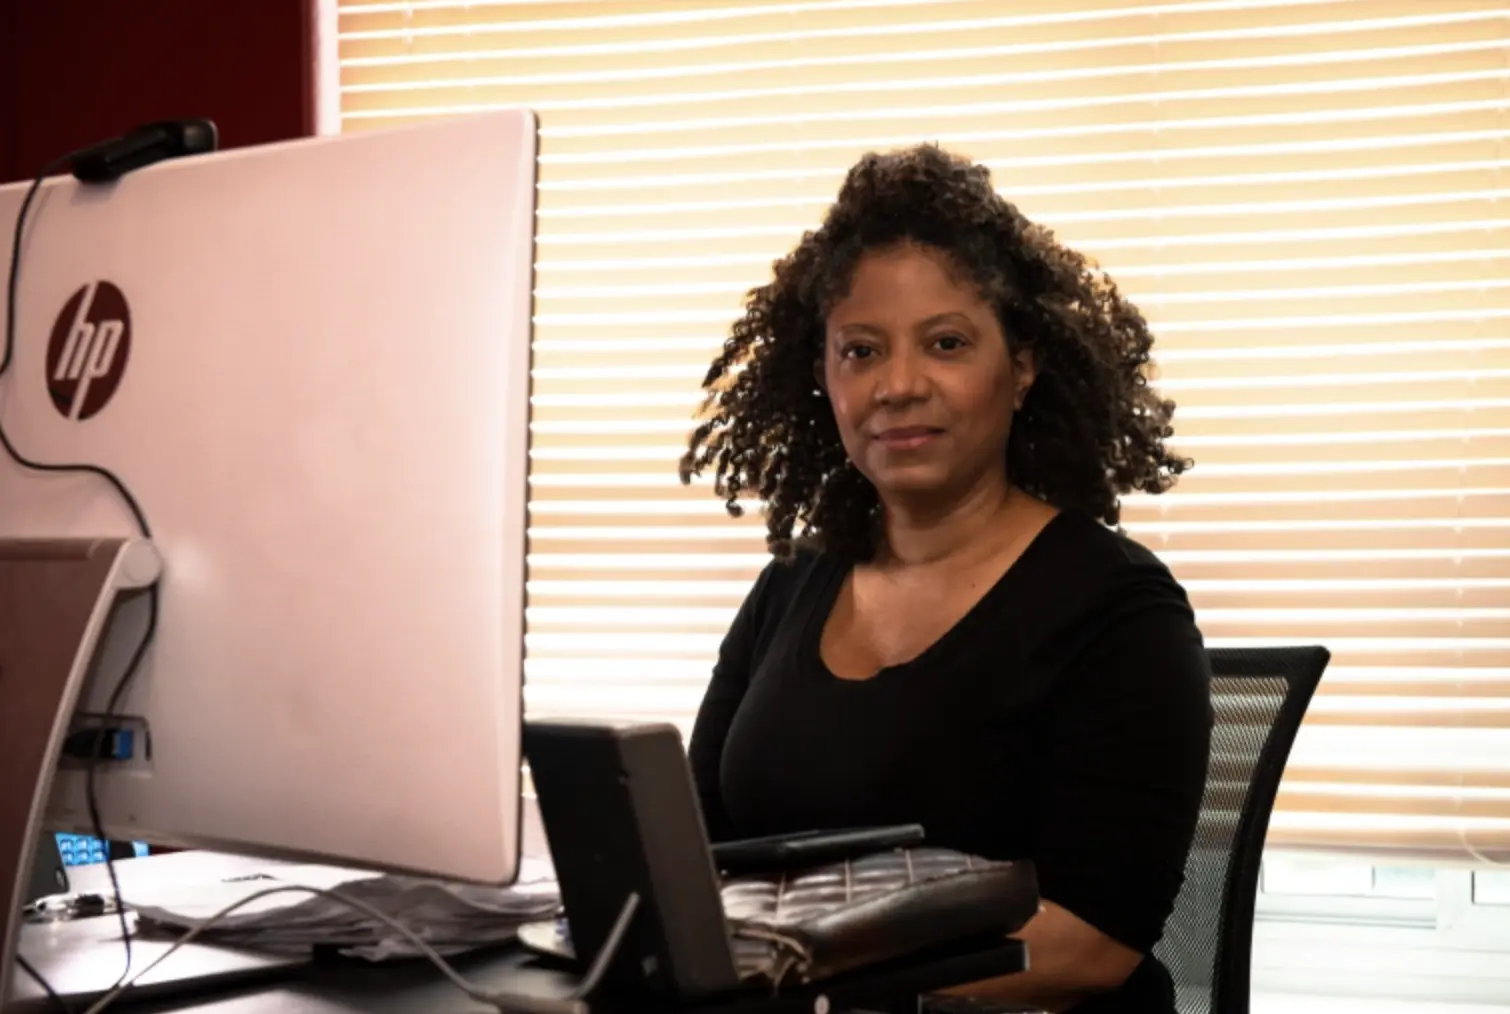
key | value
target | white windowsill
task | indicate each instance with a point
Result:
(1296, 1003)
(1343, 963)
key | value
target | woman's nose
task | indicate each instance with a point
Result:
(902, 377)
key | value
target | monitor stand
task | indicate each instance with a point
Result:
(56, 598)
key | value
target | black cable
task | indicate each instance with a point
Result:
(52, 994)
(107, 162)
(610, 948)
(15, 254)
(8, 352)
(119, 691)
(137, 514)
(91, 797)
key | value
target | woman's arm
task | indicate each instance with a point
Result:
(706, 750)
(726, 689)
(1126, 739)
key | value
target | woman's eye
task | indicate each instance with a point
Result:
(857, 352)
(950, 342)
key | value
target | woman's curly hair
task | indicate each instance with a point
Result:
(1089, 429)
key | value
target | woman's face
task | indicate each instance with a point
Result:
(920, 378)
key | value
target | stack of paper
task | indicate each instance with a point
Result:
(449, 917)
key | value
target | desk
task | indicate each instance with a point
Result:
(352, 987)
(343, 986)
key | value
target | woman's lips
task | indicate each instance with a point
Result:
(908, 438)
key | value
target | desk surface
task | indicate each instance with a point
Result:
(352, 987)
(345, 986)
(348, 986)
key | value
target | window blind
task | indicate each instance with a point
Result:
(1308, 199)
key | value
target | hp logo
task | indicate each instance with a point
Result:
(87, 354)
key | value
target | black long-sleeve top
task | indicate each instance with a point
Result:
(1065, 718)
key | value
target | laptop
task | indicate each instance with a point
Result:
(82, 957)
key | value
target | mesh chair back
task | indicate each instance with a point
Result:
(1259, 696)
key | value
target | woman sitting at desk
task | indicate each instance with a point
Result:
(940, 406)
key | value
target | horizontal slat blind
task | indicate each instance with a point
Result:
(1308, 198)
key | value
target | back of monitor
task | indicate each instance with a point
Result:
(318, 390)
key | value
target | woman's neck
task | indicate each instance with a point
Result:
(918, 535)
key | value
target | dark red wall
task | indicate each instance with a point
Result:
(77, 71)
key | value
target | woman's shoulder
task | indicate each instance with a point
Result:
(782, 574)
(1085, 576)
(1116, 621)
(1087, 553)
(783, 579)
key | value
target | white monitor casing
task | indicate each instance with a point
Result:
(319, 393)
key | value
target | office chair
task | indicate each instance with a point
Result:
(1259, 696)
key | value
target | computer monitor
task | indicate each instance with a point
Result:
(310, 364)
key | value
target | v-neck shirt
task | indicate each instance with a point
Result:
(1065, 718)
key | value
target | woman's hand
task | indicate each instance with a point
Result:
(1069, 960)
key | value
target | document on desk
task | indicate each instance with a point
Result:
(450, 917)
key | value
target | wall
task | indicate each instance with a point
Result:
(77, 71)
